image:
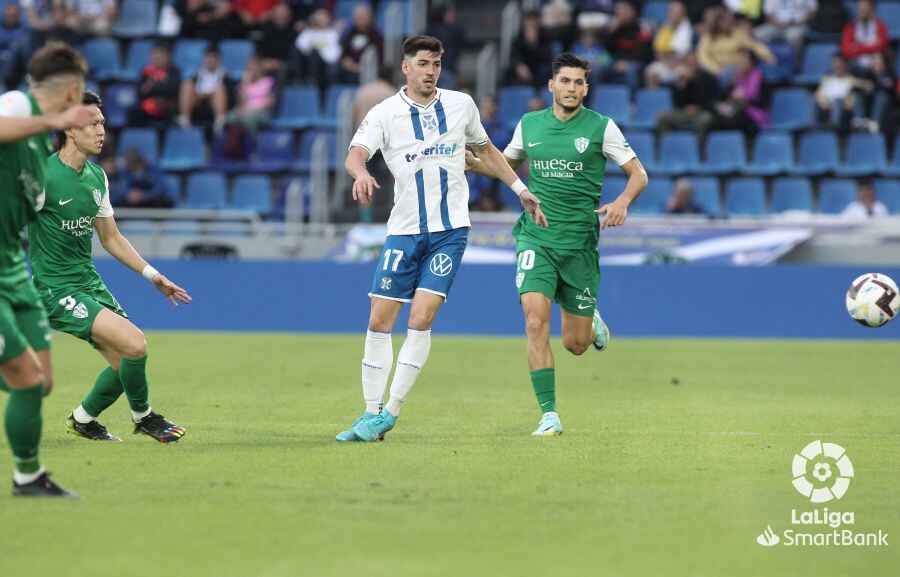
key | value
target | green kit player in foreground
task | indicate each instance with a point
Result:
(77, 301)
(567, 146)
(56, 74)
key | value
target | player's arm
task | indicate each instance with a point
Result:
(474, 164)
(495, 164)
(364, 184)
(16, 121)
(617, 210)
(122, 250)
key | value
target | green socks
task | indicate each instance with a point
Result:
(133, 375)
(23, 427)
(107, 388)
(544, 383)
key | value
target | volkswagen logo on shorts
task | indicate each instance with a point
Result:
(441, 264)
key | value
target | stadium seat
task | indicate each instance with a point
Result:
(512, 102)
(274, 151)
(613, 185)
(706, 194)
(188, 56)
(835, 194)
(137, 18)
(332, 99)
(381, 15)
(234, 56)
(726, 152)
(172, 184)
(791, 193)
(784, 63)
(298, 109)
(103, 58)
(644, 145)
(791, 109)
(865, 155)
(655, 11)
(745, 196)
(773, 153)
(888, 191)
(678, 153)
(304, 204)
(817, 154)
(652, 199)
(890, 13)
(183, 149)
(205, 190)
(304, 162)
(613, 100)
(893, 167)
(136, 58)
(219, 161)
(117, 100)
(252, 192)
(816, 63)
(649, 102)
(144, 140)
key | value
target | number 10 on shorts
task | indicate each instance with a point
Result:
(526, 260)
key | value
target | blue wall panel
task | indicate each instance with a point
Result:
(709, 301)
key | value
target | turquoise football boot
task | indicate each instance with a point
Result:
(549, 426)
(349, 436)
(371, 430)
(601, 332)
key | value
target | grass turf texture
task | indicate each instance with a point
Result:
(677, 453)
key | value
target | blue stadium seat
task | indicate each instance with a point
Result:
(644, 145)
(816, 62)
(745, 196)
(865, 154)
(332, 98)
(613, 100)
(234, 56)
(278, 211)
(783, 68)
(298, 109)
(172, 184)
(817, 154)
(183, 149)
(835, 194)
(137, 57)
(678, 153)
(655, 11)
(219, 161)
(890, 13)
(792, 109)
(274, 151)
(188, 56)
(791, 193)
(649, 102)
(103, 58)
(652, 199)
(144, 140)
(137, 18)
(893, 167)
(613, 185)
(205, 190)
(706, 194)
(382, 12)
(252, 192)
(888, 190)
(117, 100)
(513, 103)
(773, 153)
(726, 152)
(304, 162)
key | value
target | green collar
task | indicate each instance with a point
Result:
(35, 109)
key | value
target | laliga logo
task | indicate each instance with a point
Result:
(822, 471)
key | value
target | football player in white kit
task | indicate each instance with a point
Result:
(422, 132)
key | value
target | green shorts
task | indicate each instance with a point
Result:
(569, 277)
(23, 322)
(75, 311)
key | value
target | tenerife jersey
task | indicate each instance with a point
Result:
(424, 148)
(22, 166)
(60, 236)
(566, 161)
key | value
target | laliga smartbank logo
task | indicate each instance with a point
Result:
(821, 472)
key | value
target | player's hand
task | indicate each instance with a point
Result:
(364, 187)
(75, 117)
(533, 207)
(170, 290)
(616, 213)
(471, 160)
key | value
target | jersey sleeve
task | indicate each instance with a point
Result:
(615, 147)
(515, 149)
(475, 133)
(106, 209)
(15, 104)
(370, 134)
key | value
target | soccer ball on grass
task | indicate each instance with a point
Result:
(872, 299)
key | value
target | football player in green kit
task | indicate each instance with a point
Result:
(77, 301)
(567, 146)
(56, 74)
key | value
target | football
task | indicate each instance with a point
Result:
(872, 300)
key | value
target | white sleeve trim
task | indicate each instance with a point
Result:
(106, 209)
(15, 104)
(615, 147)
(515, 149)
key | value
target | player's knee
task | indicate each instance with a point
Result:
(420, 320)
(380, 323)
(576, 346)
(536, 324)
(135, 346)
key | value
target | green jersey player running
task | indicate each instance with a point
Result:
(567, 146)
(56, 74)
(78, 303)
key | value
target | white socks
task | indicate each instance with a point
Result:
(81, 415)
(410, 361)
(136, 416)
(376, 368)
(25, 478)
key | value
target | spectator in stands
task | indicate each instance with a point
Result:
(830, 17)
(206, 94)
(673, 42)
(277, 43)
(319, 48)
(157, 88)
(356, 40)
(256, 98)
(483, 186)
(695, 95)
(450, 33)
(866, 204)
(786, 21)
(209, 19)
(557, 23)
(140, 184)
(748, 10)
(890, 119)
(721, 47)
(93, 17)
(254, 15)
(12, 34)
(61, 28)
(302, 10)
(742, 109)
(589, 47)
(629, 44)
(598, 12)
(530, 55)
(39, 15)
(835, 99)
(372, 93)
(682, 199)
(865, 45)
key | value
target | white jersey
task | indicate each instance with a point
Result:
(424, 147)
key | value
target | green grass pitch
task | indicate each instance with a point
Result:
(677, 454)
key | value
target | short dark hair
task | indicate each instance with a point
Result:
(56, 59)
(571, 60)
(413, 44)
(89, 98)
(162, 45)
(211, 50)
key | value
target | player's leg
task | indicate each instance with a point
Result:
(579, 284)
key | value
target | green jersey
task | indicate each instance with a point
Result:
(22, 167)
(566, 162)
(61, 235)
